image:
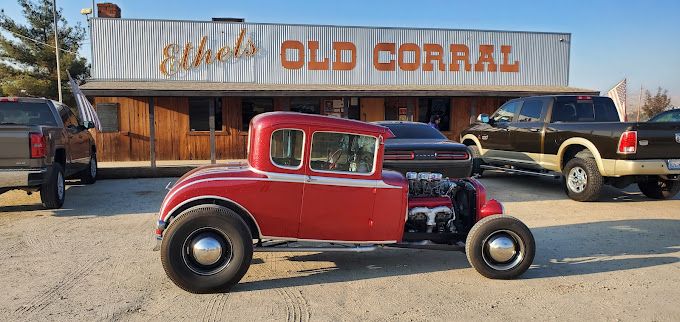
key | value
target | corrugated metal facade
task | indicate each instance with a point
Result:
(132, 50)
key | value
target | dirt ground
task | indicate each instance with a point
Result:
(617, 259)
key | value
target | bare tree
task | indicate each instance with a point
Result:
(655, 104)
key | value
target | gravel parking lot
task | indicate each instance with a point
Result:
(617, 259)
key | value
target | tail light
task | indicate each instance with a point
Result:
(399, 155)
(627, 143)
(38, 145)
(451, 155)
(9, 99)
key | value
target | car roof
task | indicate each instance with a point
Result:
(399, 122)
(269, 119)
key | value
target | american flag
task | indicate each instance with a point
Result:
(87, 112)
(618, 95)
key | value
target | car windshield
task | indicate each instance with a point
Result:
(584, 109)
(669, 116)
(414, 131)
(25, 113)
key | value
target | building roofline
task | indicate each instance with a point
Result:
(343, 26)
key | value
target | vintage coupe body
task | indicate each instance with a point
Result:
(319, 181)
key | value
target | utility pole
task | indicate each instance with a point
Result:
(639, 104)
(56, 48)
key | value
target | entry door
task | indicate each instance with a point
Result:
(372, 109)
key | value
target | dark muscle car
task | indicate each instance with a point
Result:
(420, 147)
(582, 138)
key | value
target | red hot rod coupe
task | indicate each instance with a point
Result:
(319, 180)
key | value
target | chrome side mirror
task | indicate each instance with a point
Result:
(483, 118)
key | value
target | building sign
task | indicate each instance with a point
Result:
(158, 50)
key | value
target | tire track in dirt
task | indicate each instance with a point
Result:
(56, 292)
(297, 307)
(214, 309)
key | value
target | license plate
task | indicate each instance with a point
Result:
(674, 164)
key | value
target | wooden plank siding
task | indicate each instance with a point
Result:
(174, 140)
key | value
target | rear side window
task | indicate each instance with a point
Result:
(531, 111)
(506, 113)
(584, 109)
(286, 148)
(26, 113)
(343, 152)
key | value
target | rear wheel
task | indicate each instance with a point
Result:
(500, 247)
(582, 179)
(53, 189)
(476, 160)
(208, 248)
(660, 189)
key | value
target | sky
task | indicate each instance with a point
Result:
(611, 40)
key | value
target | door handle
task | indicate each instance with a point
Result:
(309, 179)
(534, 129)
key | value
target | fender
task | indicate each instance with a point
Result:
(164, 217)
(474, 139)
(584, 142)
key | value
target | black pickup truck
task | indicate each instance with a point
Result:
(582, 138)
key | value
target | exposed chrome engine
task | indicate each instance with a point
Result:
(436, 204)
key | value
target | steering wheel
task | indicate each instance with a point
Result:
(333, 159)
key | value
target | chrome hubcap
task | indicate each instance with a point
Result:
(206, 250)
(503, 250)
(577, 179)
(60, 185)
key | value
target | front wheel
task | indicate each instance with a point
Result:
(208, 248)
(660, 189)
(500, 247)
(90, 174)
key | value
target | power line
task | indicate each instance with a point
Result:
(39, 42)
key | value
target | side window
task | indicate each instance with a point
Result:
(286, 148)
(531, 111)
(343, 152)
(506, 112)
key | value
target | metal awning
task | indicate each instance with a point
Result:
(177, 88)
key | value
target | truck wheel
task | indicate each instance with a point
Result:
(208, 248)
(500, 247)
(53, 189)
(660, 189)
(582, 179)
(89, 176)
(476, 160)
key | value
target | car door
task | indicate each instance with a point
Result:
(527, 131)
(80, 144)
(496, 137)
(338, 197)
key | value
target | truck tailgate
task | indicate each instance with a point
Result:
(663, 140)
(14, 146)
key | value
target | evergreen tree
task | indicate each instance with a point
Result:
(27, 65)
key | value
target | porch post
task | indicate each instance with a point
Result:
(152, 133)
(211, 120)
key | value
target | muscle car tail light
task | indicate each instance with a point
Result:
(452, 155)
(38, 145)
(627, 143)
(399, 155)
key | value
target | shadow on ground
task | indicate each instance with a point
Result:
(104, 198)
(566, 250)
(518, 188)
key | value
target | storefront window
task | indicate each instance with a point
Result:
(342, 152)
(251, 106)
(435, 106)
(199, 113)
(309, 105)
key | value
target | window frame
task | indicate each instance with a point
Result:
(375, 155)
(302, 151)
